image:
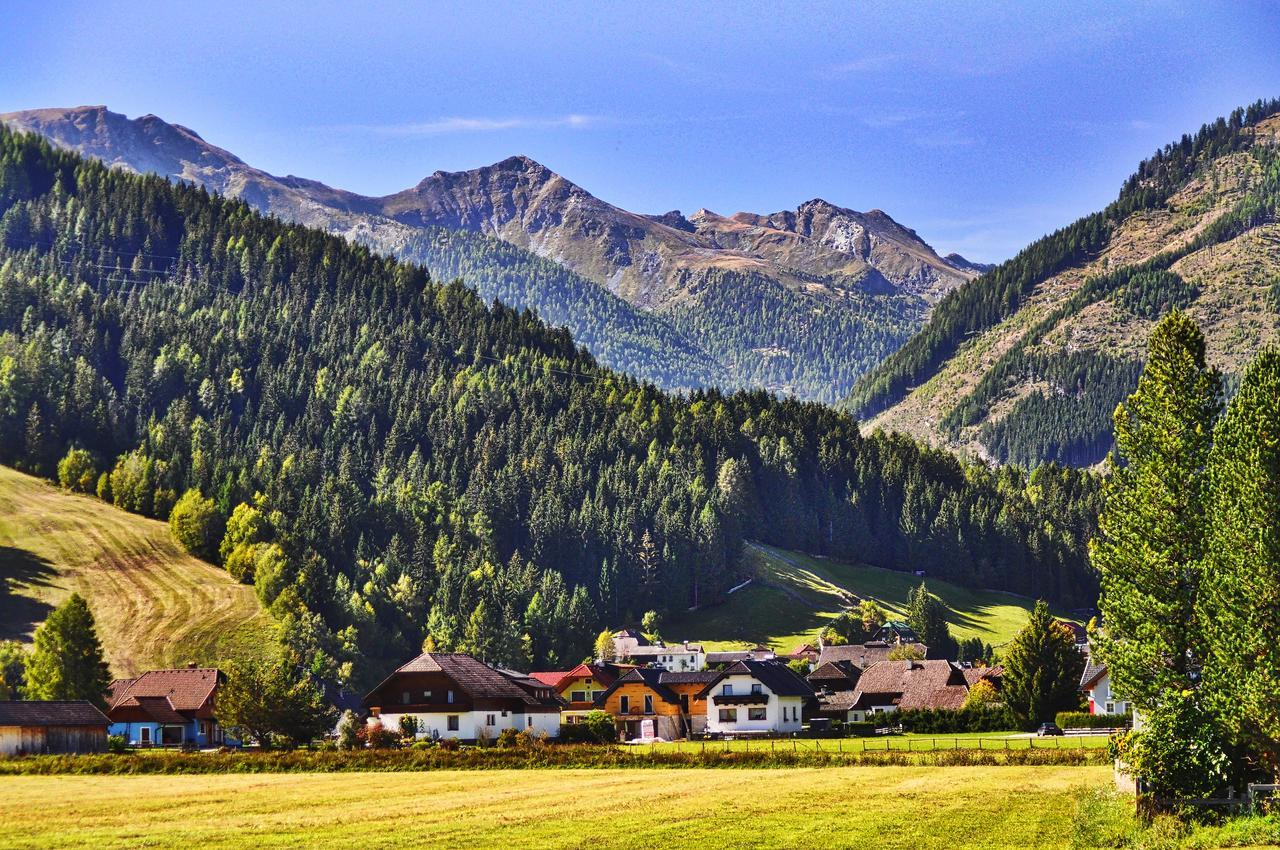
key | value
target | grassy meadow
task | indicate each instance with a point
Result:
(795, 595)
(885, 807)
(155, 606)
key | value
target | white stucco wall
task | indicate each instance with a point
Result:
(474, 724)
(782, 714)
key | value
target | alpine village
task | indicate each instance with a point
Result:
(489, 512)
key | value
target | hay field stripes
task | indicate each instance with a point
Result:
(886, 807)
(155, 606)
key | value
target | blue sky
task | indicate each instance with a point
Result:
(980, 125)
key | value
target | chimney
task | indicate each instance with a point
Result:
(191, 665)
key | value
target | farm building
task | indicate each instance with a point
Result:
(452, 695)
(56, 726)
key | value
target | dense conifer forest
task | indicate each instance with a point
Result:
(388, 460)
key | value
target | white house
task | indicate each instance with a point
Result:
(680, 658)
(457, 696)
(1095, 681)
(756, 696)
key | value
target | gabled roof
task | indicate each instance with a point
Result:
(864, 654)
(913, 684)
(187, 688)
(774, 675)
(550, 678)
(477, 679)
(650, 677)
(51, 713)
(691, 677)
(1093, 673)
(993, 674)
(835, 675)
(155, 709)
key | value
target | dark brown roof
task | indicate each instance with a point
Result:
(51, 713)
(156, 709)
(835, 675)
(864, 654)
(651, 677)
(1091, 674)
(912, 684)
(188, 688)
(477, 679)
(699, 677)
(774, 675)
(994, 675)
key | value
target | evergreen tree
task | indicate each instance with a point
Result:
(13, 669)
(1151, 540)
(1042, 669)
(1242, 562)
(66, 660)
(927, 616)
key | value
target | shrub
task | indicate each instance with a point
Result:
(448, 744)
(408, 726)
(196, 525)
(381, 738)
(422, 745)
(1180, 750)
(77, 471)
(860, 729)
(508, 738)
(968, 719)
(117, 744)
(349, 731)
(1085, 720)
(596, 728)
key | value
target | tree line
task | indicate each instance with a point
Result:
(392, 462)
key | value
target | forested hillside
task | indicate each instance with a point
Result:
(1026, 363)
(394, 461)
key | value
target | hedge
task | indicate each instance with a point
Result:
(1085, 720)
(941, 720)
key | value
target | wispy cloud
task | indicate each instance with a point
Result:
(458, 124)
(864, 64)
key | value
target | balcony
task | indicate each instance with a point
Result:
(740, 699)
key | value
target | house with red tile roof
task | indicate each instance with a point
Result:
(580, 686)
(167, 708)
(890, 686)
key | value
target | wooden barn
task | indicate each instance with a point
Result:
(57, 726)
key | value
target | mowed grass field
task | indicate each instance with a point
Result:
(912, 742)
(882, 807)
(155, 606)
(795, 595)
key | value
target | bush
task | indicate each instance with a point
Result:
(196, 525)
(349, 737)
(408, 726)
(77, 471)
(1085, 720)
(860, 729)
(943, 721)
(596, 728)
(422, 745)
(117, 744)
(508, 738)
(1180, 750)
(381, 738)
(448, 744)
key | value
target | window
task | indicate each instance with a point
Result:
(726, 691)
(648, 704)
(755, 714)
(404, 698)
(728, 715)
(624, 704)
(684, 703)
(452, 723)
(586, 682)
(450, 696)
(757, 689)
(490, 720)
(426, 696)
(1111, 708)
(504, 713)
(144, 735)
(578, 696)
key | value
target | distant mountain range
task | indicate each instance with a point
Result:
(800, 301)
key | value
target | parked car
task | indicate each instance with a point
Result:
(1047, 729)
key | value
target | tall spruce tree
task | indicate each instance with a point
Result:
(66, 661)
(1151, 542)
(1240, 593)
(1042, 669)
(927, 616)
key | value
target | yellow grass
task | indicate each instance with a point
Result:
(882, 807)
(155, 606)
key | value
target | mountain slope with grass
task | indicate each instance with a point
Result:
(800, 301)
(1026, 363)
(155, 605)
(793, 596)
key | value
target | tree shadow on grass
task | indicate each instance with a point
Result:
(19, 615)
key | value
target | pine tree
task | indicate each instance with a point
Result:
(1042, 669)
(1151, 540)
(927, 616)
(1239, 594)
(66, 660)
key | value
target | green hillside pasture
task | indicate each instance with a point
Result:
(885, 807)
(793, 596)
(155, 606)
